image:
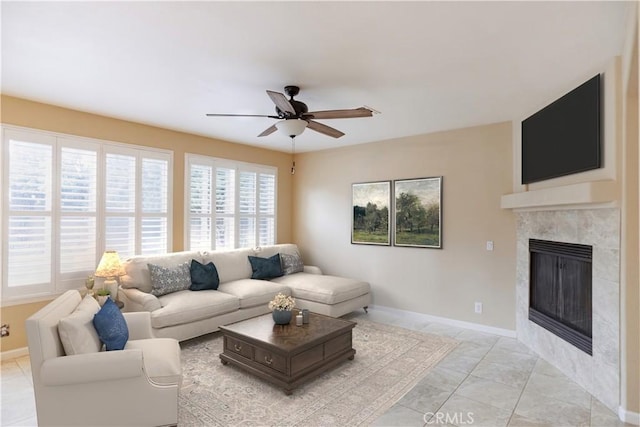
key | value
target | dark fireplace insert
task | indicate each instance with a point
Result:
(560, 290)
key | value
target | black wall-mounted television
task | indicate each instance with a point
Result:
(564, 137)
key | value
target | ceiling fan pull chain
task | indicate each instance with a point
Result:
(293, 153)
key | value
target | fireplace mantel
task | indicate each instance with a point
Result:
(567, 196)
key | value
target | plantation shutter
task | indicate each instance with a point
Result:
(200, 207)
(245, 204)
(78, 196)
(30, 179)
(155, 182)
(120, 204)
(247, 199)
(267, 191)
(225, 208)
(66, 199)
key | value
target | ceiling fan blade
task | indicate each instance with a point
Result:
(268, 131)
(240, 115)
(341, 114)
(281, 102)
(324, 129)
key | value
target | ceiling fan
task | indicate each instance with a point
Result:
(294, 115)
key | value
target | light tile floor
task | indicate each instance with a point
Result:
(487, 380)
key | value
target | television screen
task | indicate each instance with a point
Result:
(564, 137)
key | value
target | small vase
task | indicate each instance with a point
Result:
(281, 317)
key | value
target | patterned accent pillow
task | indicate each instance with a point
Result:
(291, 263)
(165, 280)
(111, 326)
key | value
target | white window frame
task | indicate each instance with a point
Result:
(59, 281)
(239, 167)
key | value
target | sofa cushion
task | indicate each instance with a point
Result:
(161, 358)
(203, 276)
(231, 265)
(323, 289)
(188, 306)
(137, 272)
(265, 268)
(111, 326)
(77, 333)
(291, 264)
(252, 292)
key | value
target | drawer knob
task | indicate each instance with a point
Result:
(237, 347)
(268, 360)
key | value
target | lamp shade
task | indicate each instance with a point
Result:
(110, 265)
(292, 127)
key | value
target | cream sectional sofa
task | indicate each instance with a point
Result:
(187, 314)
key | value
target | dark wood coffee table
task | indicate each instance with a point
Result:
(287, 355)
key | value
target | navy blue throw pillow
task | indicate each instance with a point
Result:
(265, 268)
(111, 326)
(203, 276)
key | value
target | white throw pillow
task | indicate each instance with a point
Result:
(77, 333)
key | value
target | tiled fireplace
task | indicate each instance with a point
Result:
(598, 373)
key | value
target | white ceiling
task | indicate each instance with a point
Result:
(426, 66)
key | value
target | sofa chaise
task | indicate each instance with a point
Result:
(186, 314)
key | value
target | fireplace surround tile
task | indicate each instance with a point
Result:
(600, 228)
(609, 266)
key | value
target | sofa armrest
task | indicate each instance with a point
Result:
(312, 269)
(147, 301)
(92, 367)
(139, 325)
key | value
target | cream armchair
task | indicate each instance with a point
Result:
(135, 386)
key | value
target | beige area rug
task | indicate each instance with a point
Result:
(388, 363)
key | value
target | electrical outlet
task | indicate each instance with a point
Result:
(478, 307)
(4, 330)
(489, 245)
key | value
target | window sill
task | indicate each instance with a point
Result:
(8, 302)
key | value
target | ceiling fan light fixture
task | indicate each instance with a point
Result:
(292, 127)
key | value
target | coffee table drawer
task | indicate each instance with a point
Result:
(274, 361)
(238, 347)
(338, 344)
(307, 359)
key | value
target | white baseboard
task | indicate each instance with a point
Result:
(628, 416)
(444, 320)
(14, 354)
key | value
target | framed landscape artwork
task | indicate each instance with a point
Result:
(371, 217)
(418, 212)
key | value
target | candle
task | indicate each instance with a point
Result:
(299, 320)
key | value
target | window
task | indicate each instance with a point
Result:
(136, 208)
(71, 198)
(230, 204)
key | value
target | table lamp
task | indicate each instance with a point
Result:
(110, 268)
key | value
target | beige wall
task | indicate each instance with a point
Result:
(16, 315)
(476, 167)
(20, 112)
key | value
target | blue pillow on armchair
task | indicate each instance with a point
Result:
(111, 326)
(266, 268)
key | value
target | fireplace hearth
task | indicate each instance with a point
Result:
(560, 290)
